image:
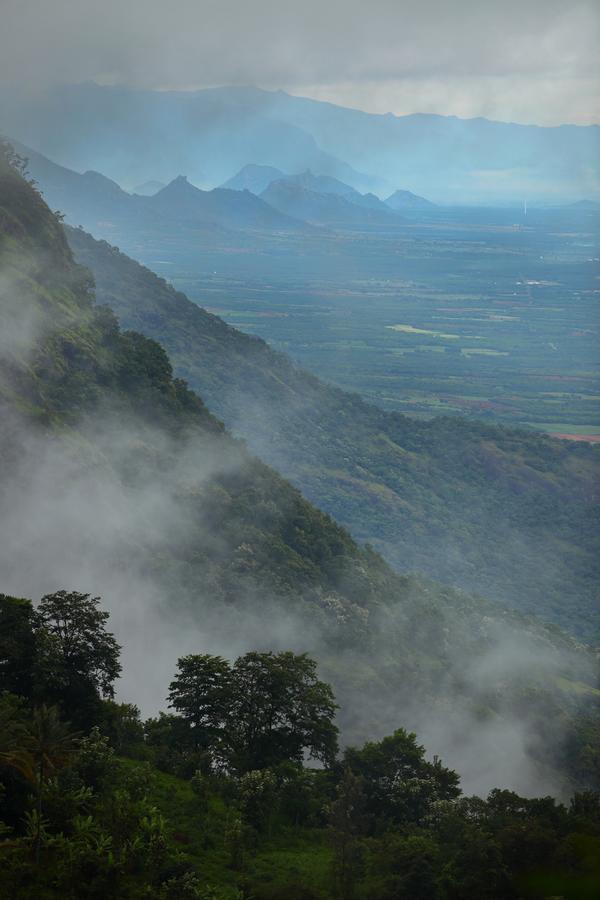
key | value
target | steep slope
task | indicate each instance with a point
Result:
(508, 514)
(75, 194)
(116, 477)
(253, 178)
(293, 199)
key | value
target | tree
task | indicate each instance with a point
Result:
(400, 784)
(258, 798)
(345, 819)
(405, 865)
(267, 709)
(280, 711)
(15, 160)
(17, 645)
(39, 749)
(202, 692)
(78, 659)
(122, 724)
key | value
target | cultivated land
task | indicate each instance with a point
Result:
(483, 313)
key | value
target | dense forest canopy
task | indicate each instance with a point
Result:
(214, 802)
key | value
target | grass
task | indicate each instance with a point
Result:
(290, 862)
(408, 329)
(197, 832)
(577, 687)
(483, 351)
(300, 867)
(564, 428)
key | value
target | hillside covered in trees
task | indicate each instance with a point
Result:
(115, 474)
(215, 799)
(505, 513)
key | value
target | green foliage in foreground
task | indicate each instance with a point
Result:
(115, 812)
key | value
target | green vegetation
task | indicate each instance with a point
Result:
(131, 809)
(125, 477)
(410, 329)
(123, 473)
(266, 710)
(506, 513)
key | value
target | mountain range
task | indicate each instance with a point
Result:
(258, 178)
(288, 204)
(182, 202)
(295, 197)
(95, 201)
(134, 135)
(208, 136)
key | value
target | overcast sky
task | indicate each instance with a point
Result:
(518, 60)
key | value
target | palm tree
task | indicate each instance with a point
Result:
(39, 748)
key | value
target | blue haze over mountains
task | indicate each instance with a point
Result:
(133, 136)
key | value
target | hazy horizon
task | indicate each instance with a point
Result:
(297, 94)
(530, 62)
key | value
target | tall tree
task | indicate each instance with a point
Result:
(78, 659)
(281, 711)
(202, 692)
(400, 784)
(266, 709)
(39, 749)
(17, 645)
(346, 824)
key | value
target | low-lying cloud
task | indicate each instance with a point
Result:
(532, 61)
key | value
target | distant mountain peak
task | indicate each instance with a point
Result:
(307, 198)
(179, 181)
(179, 186)
(402, 200)
(253, 177)
(92, 175)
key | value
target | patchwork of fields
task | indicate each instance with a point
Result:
(483, 313)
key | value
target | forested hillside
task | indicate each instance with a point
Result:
(215, 799)
(115, 476)
(509, 514)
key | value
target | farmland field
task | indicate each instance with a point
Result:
(492, 314)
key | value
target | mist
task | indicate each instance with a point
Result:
(114, 506)
(532, 62)
(70, 521)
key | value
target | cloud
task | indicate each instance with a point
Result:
(533, 60)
